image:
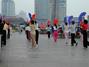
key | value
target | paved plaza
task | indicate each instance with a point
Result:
(18, 53)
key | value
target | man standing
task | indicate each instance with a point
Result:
(48, 31)
(84, 32)
(4, 30)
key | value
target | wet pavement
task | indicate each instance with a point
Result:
(18, 53)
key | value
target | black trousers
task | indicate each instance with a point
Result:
(37, 36)
(48, 34)
(8, 35)
(72, 39)
(27, 35)
(85, 41)
(3, 38)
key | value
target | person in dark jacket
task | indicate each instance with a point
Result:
(2, 34)
(4, 30)
(1, 27)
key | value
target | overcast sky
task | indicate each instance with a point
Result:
(74, 7)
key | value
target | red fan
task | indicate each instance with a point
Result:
(34, 16)
(48, 22)
(55, 21)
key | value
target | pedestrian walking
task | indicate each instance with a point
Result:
(48, 31)
(4, 32)
(66, 32)
(52, 29)
(73, 33)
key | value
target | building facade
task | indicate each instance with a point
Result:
(8, 8)
(42, 10)
(50, 9)
(57, 9)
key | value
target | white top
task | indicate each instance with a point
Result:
(54, 28)
(5, 27)
(32, 29)
(48, 28)
(28, 28)
(73, 28)
(66, 28)
(36, 26)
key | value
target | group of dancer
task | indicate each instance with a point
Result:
(84, 26)
(32, 32)
(70, 31)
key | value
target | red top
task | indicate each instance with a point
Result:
(48, 23)
(55, 21)
(84, 26)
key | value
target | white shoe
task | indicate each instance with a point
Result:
(36, 46)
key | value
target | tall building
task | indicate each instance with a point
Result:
(57, 9)
(50, 9)
(8, 8)
(42, 10)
